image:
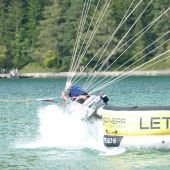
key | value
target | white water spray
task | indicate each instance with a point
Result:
(64, 128)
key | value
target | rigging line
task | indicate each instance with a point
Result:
(29, 100)
(81, 31)
(147, 54)
(113, 51)
(83, 25)
(89, 26)
(144, 67)
(76, 59)
(94, 31)
(146, 29)
(145, 49)
(154, 63)
(110, 79)
(21, 100)
(86, 66)
(102, 14)
(77, 35)
(132, 57)
(122, 20)
(88, 30)
(105, 61)
(130, 72)
(109, 40)
(86, 14)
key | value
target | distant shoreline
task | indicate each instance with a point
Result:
(84, 74)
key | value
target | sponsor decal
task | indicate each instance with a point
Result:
(112, 141)
(155, 123)
(115, 122)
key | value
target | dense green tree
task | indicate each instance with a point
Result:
(48, 28)
(16, 33)
(3, 55)
(45, 31)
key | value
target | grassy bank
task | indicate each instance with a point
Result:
(37, 68)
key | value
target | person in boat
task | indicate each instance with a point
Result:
(76, 93)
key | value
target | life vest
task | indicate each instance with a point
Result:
(76, 91)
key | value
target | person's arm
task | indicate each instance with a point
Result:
(64, 96)
(66, 93)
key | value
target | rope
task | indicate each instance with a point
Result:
(114, 50)
(88, 7)
(93, 33)
(75, 45)
(89, 26)
(130, 72)
(31, 100)
(134, 62)
(102, 63)
(146, 29)
(107, 42)
(134, 57)
(142, 69)
(21, 100)
(146, 66)
(79, 34)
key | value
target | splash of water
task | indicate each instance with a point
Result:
(60, 127)
(64, 128)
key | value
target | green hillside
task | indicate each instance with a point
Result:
(40, 35)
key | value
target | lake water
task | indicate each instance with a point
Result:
(42, 136)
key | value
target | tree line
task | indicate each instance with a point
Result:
(44, 31)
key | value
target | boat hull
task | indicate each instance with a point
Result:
(136, 126)
(162, 141)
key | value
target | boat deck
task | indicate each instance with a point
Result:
(136, 108)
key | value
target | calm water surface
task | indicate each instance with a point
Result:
(36, 135)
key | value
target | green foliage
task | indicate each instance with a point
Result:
(51, 59)
(3, 55)
(44, 32)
